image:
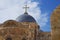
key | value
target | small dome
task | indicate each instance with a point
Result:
(25, 18)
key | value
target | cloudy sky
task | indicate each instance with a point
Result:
(39, 9)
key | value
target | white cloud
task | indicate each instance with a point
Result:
(43, 20)
(11, 9)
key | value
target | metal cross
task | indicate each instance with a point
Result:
(26, 7)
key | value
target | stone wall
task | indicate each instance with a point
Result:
(45, 36)
(18, 31)
(55, 24)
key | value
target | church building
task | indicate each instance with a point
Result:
(24, 28)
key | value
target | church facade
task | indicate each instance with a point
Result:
(12, 30)
(26, 28)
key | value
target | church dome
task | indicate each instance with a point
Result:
(25, 18)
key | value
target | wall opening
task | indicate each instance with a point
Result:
(8, 38)
(24, 39)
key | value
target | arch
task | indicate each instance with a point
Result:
(8, 38)
(23, 38)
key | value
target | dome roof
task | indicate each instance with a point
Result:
(25, 18)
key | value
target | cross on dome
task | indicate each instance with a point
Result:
(26, 7)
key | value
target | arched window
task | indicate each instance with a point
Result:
(8, 38)
(24, 39)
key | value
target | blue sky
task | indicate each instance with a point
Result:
(47, 6)
(39, 9)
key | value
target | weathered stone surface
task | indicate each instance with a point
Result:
(22, 31)
(55, 24)
(18, 31)
(45, 36)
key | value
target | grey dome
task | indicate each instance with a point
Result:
(25, 18)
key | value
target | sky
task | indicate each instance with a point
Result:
(41, 10)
